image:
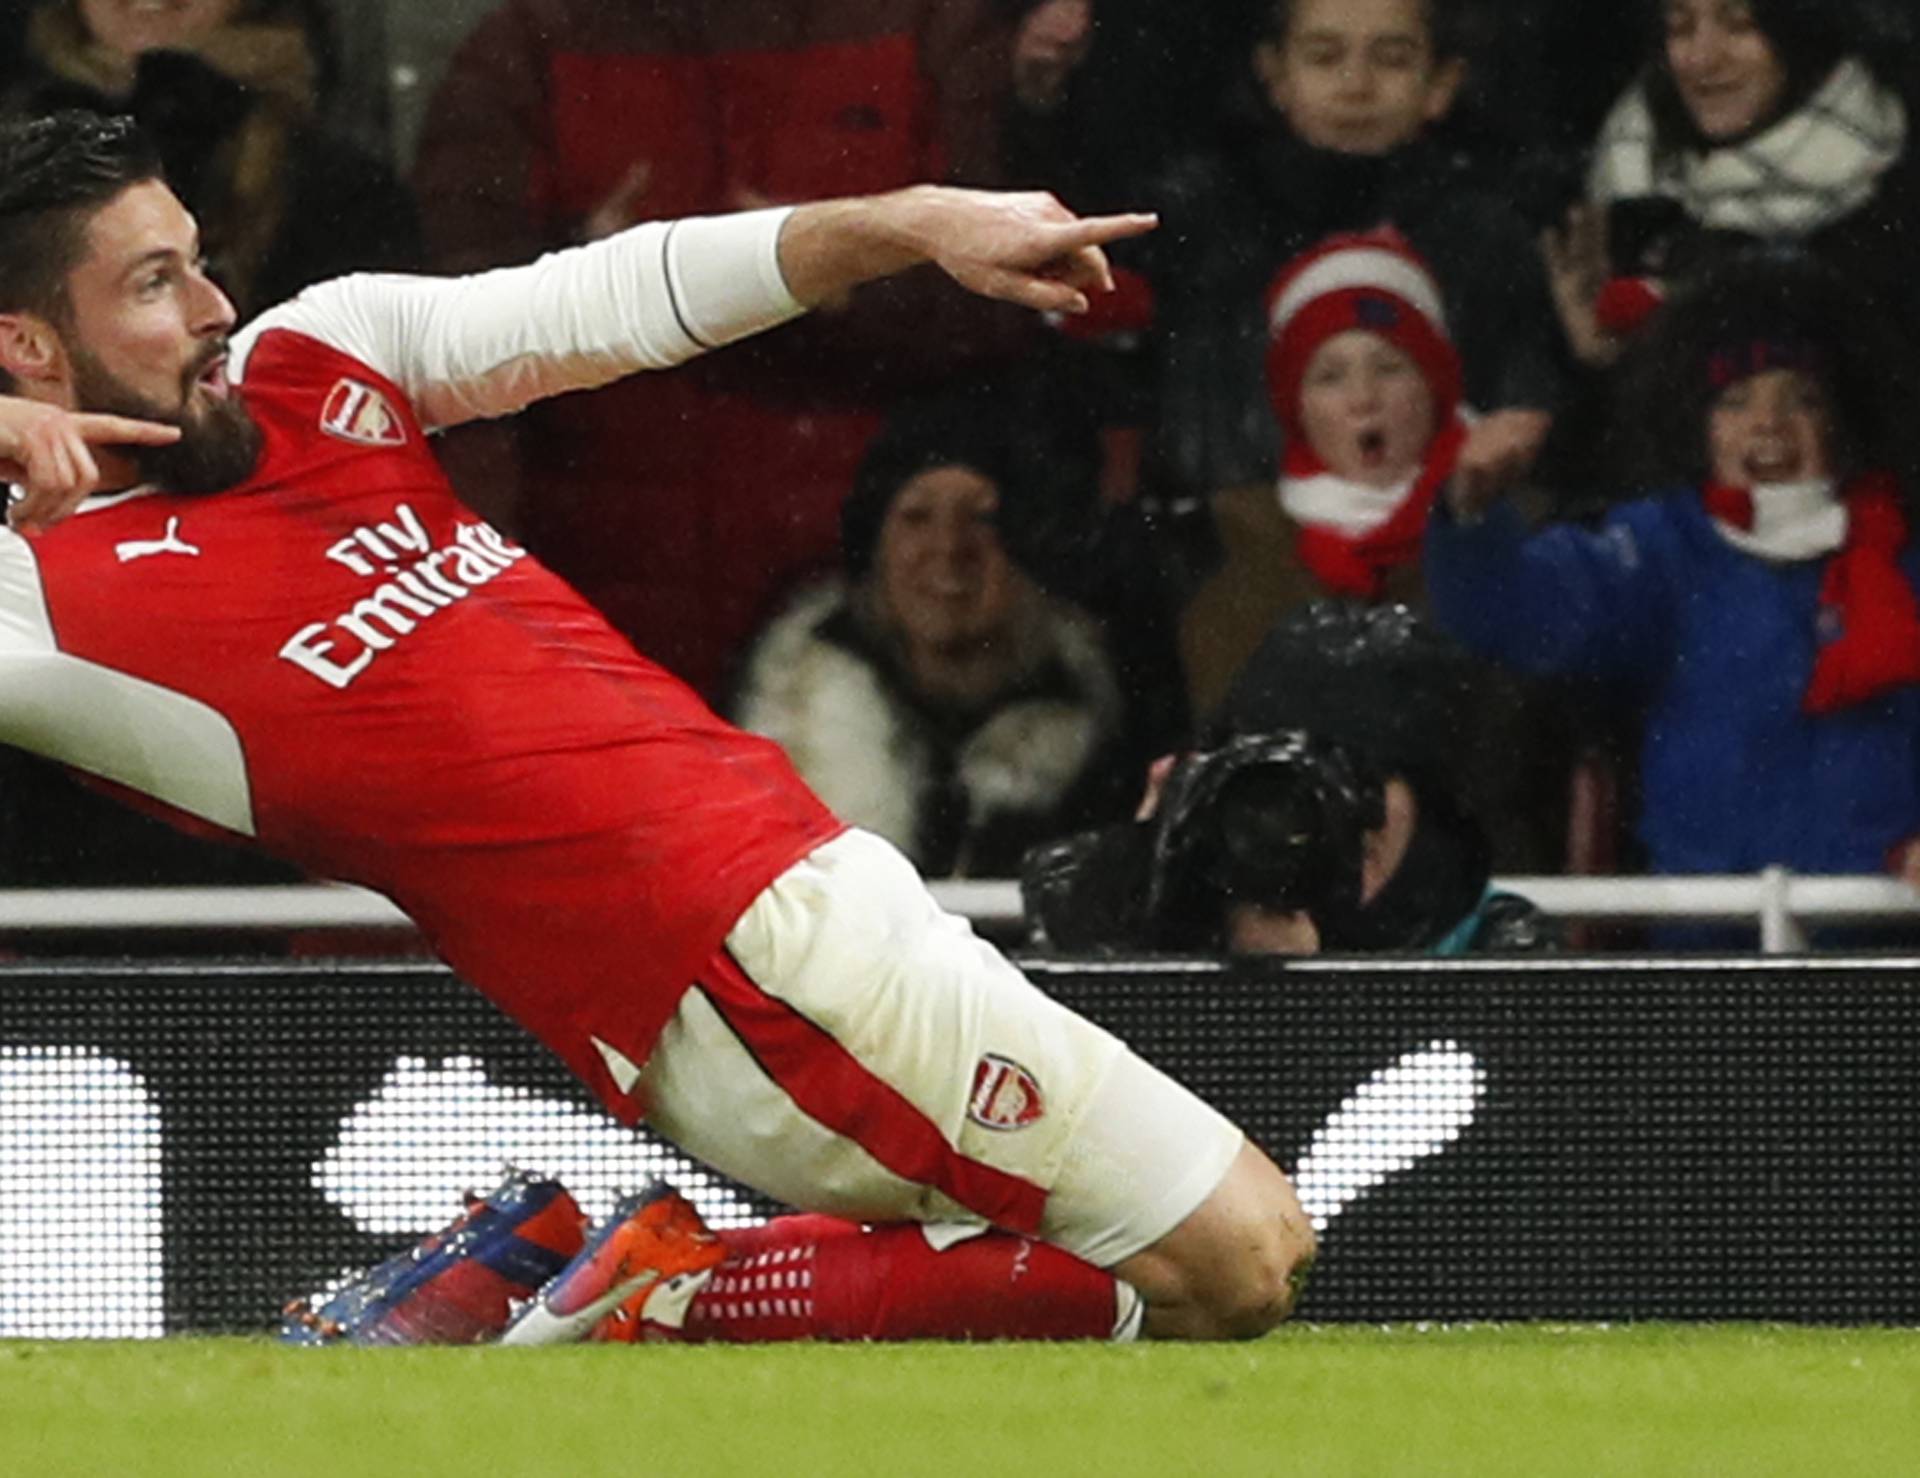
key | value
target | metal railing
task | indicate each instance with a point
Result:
(1780, 903)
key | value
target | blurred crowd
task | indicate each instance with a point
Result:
(1498, 461)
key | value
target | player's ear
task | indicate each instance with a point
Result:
(30, 349)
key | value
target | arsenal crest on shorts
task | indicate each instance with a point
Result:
(1005, 1096)
(357, 412)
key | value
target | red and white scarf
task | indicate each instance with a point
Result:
(1353, 536)
(1864, 594)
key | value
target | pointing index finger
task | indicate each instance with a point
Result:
(1099, 230)
(106, 430)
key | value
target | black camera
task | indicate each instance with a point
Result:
(1276, 820)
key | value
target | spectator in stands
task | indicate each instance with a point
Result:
(1365, 386)
(1753, 120)
(1050, 42)
(564, 119)
(938, 695)
(1338, 140)
(1762, 609)
(1325, 813)
(228, 89)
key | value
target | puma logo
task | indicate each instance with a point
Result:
(168, 543)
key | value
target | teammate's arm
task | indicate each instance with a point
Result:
(52, 456)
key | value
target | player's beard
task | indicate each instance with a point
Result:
(219, 441)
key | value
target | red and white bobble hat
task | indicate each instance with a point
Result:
(1372, 280)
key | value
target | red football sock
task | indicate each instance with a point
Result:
(815, 1277)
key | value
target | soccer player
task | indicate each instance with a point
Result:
(238, 590)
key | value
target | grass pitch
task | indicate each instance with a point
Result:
(1486, 1400)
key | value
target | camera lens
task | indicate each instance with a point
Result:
(1271, 837)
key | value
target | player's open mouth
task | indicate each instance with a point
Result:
(1373, 448)
(213, 379)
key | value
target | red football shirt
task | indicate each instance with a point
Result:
(342, 662)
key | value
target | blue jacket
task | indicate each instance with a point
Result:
(1716, 647)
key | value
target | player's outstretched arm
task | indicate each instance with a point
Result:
(49, 454)
(661, 292)
(1024, 247)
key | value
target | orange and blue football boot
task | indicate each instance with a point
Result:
(645, 1263)
(461, 1285)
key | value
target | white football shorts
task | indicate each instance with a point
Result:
(858, 1051)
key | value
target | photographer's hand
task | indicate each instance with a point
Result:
(1158, 774)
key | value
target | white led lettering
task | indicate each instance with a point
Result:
(80, 1206)
(1413, 1108)
(434, 1129)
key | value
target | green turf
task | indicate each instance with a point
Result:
(1488, 1400)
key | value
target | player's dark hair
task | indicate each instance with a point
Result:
(1447, 25)
(55, 172)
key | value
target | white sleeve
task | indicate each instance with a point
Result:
(486, 345)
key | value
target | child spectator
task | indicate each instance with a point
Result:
(1761, 610)
(1754, 120)
(1365, 385)
(937, 695)
(1339, 140)
(229, 90)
